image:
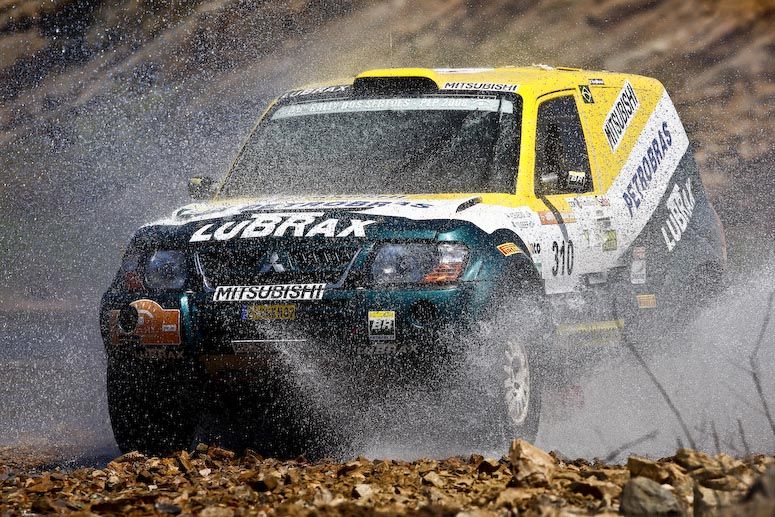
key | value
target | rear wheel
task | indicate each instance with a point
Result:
(152, 407)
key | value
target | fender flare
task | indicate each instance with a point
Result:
(518, 268)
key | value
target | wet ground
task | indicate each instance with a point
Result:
(52, 388)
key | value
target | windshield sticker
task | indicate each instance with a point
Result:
(276, 292)
(490, 87)
(398, 104)
(278, 225)
(313, 91)
(622, 112)
(317, 205)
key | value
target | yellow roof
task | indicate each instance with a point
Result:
(537, 79)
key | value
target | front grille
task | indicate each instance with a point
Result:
(257, 265)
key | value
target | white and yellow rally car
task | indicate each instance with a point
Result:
(388, 220)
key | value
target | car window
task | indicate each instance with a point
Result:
(395, 145)
(562, 162)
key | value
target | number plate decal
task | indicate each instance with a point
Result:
(269, 312)
(382, 325)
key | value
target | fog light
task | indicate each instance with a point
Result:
(127, 319)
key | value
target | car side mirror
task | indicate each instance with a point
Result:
(573, 181)
(201, 187)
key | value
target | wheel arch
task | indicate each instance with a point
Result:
(516, 267)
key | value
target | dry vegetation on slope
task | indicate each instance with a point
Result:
(716, 57)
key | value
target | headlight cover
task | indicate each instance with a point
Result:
(418, 263)
(166, 270)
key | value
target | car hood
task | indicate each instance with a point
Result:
(376, 217)
(442, 206)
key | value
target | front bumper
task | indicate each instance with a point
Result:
(366, 326)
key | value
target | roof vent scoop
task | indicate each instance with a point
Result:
(394, 85)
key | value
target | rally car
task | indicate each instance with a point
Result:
(397, 226)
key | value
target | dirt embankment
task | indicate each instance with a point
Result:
(214, 482)
(106, 108)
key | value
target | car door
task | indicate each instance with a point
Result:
(576, 224)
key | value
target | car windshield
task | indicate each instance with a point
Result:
(430, 144)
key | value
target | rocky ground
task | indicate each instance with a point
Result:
(211, 481)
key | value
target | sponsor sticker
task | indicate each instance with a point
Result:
(595, 326)
(680, 205)
(313, 91)
(508, 249)
(522, 219)
(160, 353)
(596, 82)
(155, 325)
(576, 177)
(586, 94)
(269, 312)
(588, 201)
(638, 266)
(492, 87)
(548, 217)
(647, 169)
(382, 325)
(646, 301)
(387, 348)
(622, 112)
(609, 240)
(280, 225)
(276, 292)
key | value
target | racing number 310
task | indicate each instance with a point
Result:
(563, 258)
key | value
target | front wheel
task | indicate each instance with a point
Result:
(505, 372)
(520, 412)
(151, 407)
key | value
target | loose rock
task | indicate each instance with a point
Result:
(639, 466)
(432, 478)
(529, 464)
(643, 496)
(217, 483)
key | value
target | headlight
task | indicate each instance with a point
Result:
(419, 263)
(166, 270)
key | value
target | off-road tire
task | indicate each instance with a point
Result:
(152, 408)
(502, 378)
(519, 340)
